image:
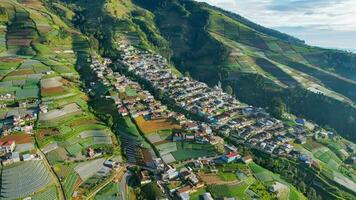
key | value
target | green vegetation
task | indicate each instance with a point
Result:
(49, 193)
(108, 192)
(151, 191)
(187, 150)
(34, 177)
(69, 183)
(236, 191)
(226, 176)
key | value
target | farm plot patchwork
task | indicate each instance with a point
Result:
(7, 64)
(262, 174)
(33, 178)
(21, 32)
(22, 87)
(327, 156)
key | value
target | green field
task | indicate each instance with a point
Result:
(197, 195)
(69, 184)
(108, 192)
(227, 176)
(49, 193)
(268, 178)
(328, 157)
(237, 191)
(187, 150)
(74, 149)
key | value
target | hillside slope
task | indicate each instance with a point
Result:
(213, 45)
(259, 63)
(209, 44)
(41, 61)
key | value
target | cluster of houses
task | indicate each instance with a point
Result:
(221, 112)
(7, 97)
(8, 155)
(18, 119)
(134, 101)
(179, 184)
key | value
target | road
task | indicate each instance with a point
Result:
(54, 175)
(123, 186)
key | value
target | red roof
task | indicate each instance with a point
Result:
(231, 154)
(7, 143)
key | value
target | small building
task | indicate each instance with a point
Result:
(145, 177)
(300, 121)
(193, 179)
(110, 163)
(170, 174)
(7, 147)
(177, 137)
(230, 157)
(301, 140)
(247, 159)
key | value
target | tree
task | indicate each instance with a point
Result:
(229, 90)
(302, 187)
(311, 194)
(277, 108)
(151, 191)
(187, 74)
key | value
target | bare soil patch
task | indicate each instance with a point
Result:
(151, 126)
(18, 138)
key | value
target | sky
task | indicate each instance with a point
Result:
(325, 23)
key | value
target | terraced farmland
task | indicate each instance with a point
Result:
(49, 193)
(24, 179)
(69, 184)
(21, 33)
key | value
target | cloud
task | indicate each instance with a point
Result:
(300, 5)
(335, 16)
